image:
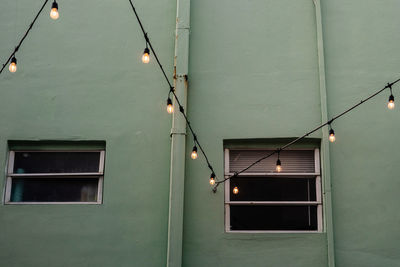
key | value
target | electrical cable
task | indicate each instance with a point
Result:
(23, 38)
(172, 89)
(389, 85)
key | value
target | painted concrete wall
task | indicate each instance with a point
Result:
(253, 73)
(81, 78)
(361, 47)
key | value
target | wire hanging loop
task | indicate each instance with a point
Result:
(171, 90)
(146, 37)
(389, 85)
(329, 125)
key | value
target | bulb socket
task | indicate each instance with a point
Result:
(146, 51)
(391, 98)
(278, 162)
(331, 132)
(54, 5)
(212, 176)
(169, 101)
(194, 149)
(14, 60)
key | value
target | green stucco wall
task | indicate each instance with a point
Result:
(253, 74)
(361, 48)
(81, 78)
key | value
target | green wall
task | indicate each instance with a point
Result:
(253, 74)
(361, 48)
(81, 78)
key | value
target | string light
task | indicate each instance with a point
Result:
(235, 190)
(54, 11)
(194, 153)
(23, 37)
(212, 179)
(170, 108)
(332, 137)
(278, 163)
(13, 65)
(172, 90)
(391, 102)
(146, 56)
(391, 97)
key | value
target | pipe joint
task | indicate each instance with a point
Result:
(175, 131)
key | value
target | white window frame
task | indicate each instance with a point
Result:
(318, 188)
(95, 175)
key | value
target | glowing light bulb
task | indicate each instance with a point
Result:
(235, 190)
(212, 179)
(54, 11)
(391, 102)
(13, 65)
(278, 166)
(332, 137)
(194, 153)
(146, 56)
(170, 108)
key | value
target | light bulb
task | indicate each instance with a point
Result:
(194, 153)
(13, 65)
(212, 179)
(170, 108)
(146, 56)
(332, 137)
(278, 166)
(391, 102)
(235, 190)
(54, 11)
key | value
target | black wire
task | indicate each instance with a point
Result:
(23, 38)
(172, 90)
(389, 85)
(149, 43)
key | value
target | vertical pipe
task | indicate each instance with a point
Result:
(325, 143)
(178, 137)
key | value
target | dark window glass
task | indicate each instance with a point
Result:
(273, 189)
(54, 189)
(282, 218)
(56, 162)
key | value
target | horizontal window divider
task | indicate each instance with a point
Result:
(59, 203)
(273, 174)
(274, 231)
(56, 150)
(275, 203)
(27, 175)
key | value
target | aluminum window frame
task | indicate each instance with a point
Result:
(95, 175)
(318, 189)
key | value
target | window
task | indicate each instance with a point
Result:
(56, 177)
(268, 201)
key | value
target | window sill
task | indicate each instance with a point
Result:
(261, 235)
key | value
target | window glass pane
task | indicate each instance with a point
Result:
(273, 217)
(56, 162)
(273, 189)
(54, 189)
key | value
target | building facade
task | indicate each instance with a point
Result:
(252, 75)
